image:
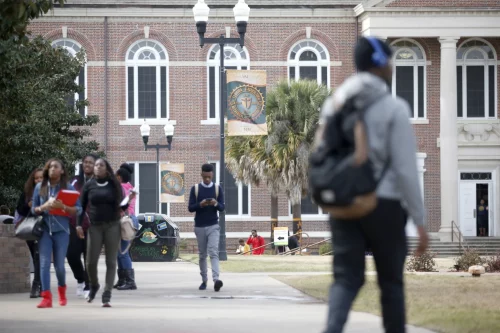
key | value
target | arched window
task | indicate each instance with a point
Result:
(408, 80)
(147, 81)
(476, 80)
(73, 48)
(234, 58)
(309, 60)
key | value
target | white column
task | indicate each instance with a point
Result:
(448, 136)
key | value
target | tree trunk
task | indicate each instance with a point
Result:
(274, 216)
(297, 221)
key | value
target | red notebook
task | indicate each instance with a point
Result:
(68, 198)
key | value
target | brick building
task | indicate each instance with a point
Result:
(144, 61)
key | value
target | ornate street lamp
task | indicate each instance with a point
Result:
(241, 14)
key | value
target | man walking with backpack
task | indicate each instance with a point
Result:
(378, 177)
(206, 200)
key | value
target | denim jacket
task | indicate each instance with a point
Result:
(54, 223)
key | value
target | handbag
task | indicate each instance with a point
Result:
(30, 229)
(128, 231)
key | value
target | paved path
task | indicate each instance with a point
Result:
(168, 301)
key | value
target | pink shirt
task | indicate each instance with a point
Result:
(131, 206)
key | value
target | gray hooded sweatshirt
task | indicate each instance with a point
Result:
(391, 138)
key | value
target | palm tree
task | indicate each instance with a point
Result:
(292, 119)
(280, 159)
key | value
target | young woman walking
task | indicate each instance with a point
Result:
(102, 197)
(126, 274)
(77, 246)
(55, 238)
(23, 210)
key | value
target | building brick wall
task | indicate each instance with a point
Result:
(14, 262)
(446, 3)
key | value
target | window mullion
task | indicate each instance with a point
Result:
(240, 199)
(136, 91)
(158, 92)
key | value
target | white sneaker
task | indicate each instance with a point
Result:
(86, 293)
(79, 289)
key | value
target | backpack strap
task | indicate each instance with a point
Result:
(196, 190)
(217, 192)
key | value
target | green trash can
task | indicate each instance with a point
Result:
(157, 239)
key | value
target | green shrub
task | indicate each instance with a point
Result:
(421, 263)
(325, 248)
(470, 257)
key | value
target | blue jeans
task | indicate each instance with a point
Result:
(57, 244)
(124, 260)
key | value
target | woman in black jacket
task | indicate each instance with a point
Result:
(23, 210)
(102, 196)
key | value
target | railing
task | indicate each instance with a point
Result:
(305, 247)
(265, 245)
(455, 232)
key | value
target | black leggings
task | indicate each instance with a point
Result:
(33, 246)
(77, 247)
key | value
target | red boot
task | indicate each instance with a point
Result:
(62, 296)
(46, 300)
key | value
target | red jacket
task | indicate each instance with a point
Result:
(256, 242)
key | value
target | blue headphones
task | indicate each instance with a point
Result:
(379, 58)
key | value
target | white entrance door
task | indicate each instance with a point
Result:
(467, 218)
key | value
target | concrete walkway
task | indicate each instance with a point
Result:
(168, 300)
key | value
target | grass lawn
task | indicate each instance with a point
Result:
(440, 303)
(250, 264)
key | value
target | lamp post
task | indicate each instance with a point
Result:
(169, 133)
(241, 15)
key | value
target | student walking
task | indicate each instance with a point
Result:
(23, 210)
(55, 238)
(102, 196)
(392, 153)
(77, 246)
(126, 274)
(206, 200)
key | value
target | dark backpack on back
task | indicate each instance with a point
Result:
(341, 176)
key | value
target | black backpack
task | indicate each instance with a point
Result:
(341, 176)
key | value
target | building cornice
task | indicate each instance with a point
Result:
(215, 14)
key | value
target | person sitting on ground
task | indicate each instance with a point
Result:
(257, 242)
(243, 248)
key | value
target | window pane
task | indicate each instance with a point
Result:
(246, 205)
(147, 92)
(164, 208)
(475, 91)
(163, 80)
(131, 92)
(308, 56)
(421, 102)
(404, 85)
(324, 76)
(231, 193)
(147, 188)
(460, 112)
(491, 91)
(308, 207)
(308, 73)
(81, 94)
(292, 73)
(211, 91)
(243, 68)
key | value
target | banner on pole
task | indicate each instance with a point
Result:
(172, 182)
(246, 102)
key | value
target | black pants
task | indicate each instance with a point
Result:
(77, 247)
(384, 232)
(33, 246)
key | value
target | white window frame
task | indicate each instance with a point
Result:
(415, 62)
(463, 62)
(158, 63)
(240, 193)
(317, 48)
(136, 182)
(70, 48)
(238, 62)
